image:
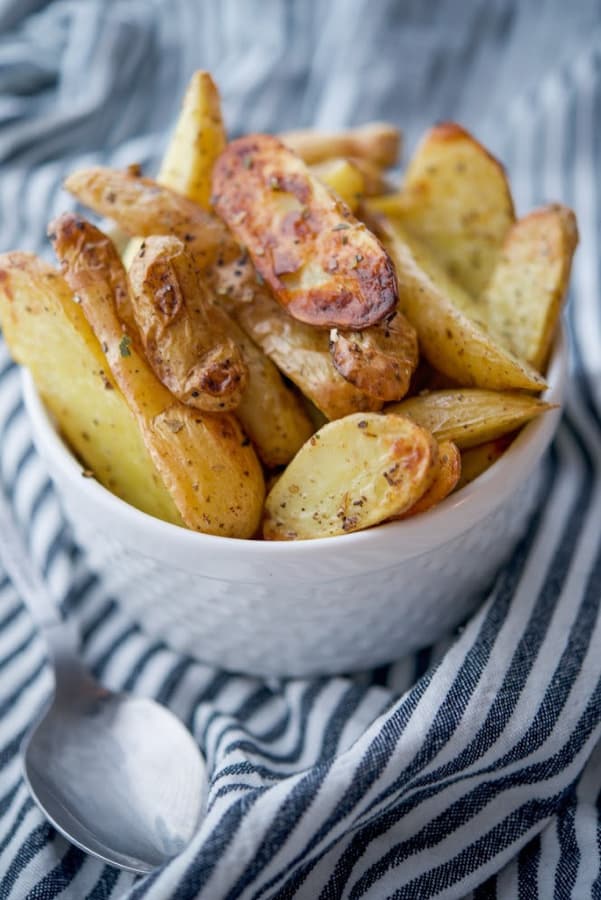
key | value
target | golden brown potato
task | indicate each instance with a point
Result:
(47, 331)
(378, 142)
(476, 460)
(142, 207)
(185, 337)
(374, 178)
(451, 339)
(456, 199)
(300, 351)
(526, 291)
(445, 481)
(344, 178)
(470, 416)
(205, 461)
(197, 140)
(351, 474)
(380, 360)
(322, 265)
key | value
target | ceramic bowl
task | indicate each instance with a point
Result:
(307, 607)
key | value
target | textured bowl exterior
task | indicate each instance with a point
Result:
(307, 607)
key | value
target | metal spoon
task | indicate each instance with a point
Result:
(117, 775)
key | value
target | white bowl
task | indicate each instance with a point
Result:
(306, 607)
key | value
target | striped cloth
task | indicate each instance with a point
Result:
(474, 767)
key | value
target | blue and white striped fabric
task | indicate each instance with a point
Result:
(473, 768)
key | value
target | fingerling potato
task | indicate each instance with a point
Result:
(379, 360)
(205, 460)
(344, 178)
(47, 331)
(443, 316)
(470, 416)
(476, 460)
(351, 474)
(322, 264)
(445, 480)
(185, 337)
(378, 142)
(526, 291)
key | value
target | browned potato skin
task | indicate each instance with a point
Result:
(185, 337)
(447, 477)
(526, 292)
(321, 263)
(352, 474)
(301, 352)
(378, 142)
(142, 207)
(469, 417)
(205, 461)
(380, 360)
(456, 199)
(450, 339)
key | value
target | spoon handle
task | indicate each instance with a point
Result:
(24, 575)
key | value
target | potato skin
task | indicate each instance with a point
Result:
(205, 461)
(185, 337)
(353, 473)
(476, 460)
(469, 417)
(379, 360)
(322, 265)
(48, 332)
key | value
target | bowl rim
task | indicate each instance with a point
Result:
(387, 544)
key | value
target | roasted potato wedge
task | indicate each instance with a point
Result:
(301, 352)
(380, 360)
(351, 474)
(378, 142)
(525, 294)
(476, 460)
(185, 337)
(205, 461)
(450, 337)
(198, 139)
(456, 199)
(47, 331)
(470, 416)
(270, 413)
(323, 266)
(344, 178)
(141, 207)
(445, 481)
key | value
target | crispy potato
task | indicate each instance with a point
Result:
(198, 139)
(456, 199)
(301, 352)
(374, 178)
(450, 338)
(351, 474)
(476, 460)
(380, 360)
(206, 463)
(48, 332)
(525, 293)
(184, 335)
(322, 265)
(379, 142)
(344, 178)
(447, 477)
(470, 416)
(141, 207)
